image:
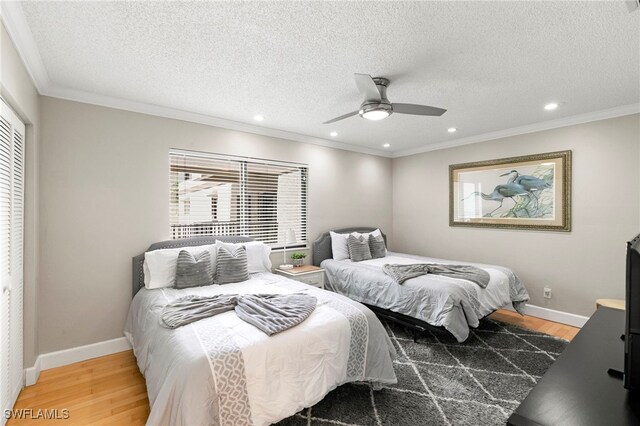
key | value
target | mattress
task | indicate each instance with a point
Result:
(451, 303)
(224, 371)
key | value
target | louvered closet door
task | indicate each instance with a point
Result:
(5, 253)
(17, 221)
(11, 254)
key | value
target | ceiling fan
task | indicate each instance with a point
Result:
(376, 106)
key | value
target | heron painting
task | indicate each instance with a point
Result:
(529, 192)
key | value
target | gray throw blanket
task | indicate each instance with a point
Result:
(271, 313)
(401, 273)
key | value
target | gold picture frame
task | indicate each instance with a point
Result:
(526, 192)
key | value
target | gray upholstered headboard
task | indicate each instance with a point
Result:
(322, 246)
(138, 261)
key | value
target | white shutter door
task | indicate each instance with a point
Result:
(5, 258)
(16, 303)
(11, 262)
(5, 368)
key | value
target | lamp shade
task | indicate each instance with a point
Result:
(290, 236)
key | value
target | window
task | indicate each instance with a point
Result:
(226, 195)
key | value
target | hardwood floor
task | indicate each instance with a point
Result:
(106, 390)
(111, 391)
(532, 323)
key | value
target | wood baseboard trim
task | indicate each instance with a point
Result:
(73, 355)
(553, 315)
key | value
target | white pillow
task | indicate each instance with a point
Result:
(257, 254)
(339, 245)
(258, 257)
(376, 232)
(160, 265)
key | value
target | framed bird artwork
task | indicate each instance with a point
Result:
(527, 192)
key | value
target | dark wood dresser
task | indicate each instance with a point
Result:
(577, 390)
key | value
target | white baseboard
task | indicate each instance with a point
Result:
(553, 315)
(32, 374)
(72, 355)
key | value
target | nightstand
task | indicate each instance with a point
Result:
(611, 303)
(307, 274)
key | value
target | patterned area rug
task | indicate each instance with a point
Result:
(443, 382)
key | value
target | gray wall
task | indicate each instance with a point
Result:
(104, 198)
(579, 266)
(104, 195)
(18, 90)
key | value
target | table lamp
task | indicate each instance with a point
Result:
(289, 237)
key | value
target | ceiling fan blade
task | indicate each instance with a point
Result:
(367, 87)
(418, 109)
(342, 117)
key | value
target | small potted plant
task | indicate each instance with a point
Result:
(298, 259)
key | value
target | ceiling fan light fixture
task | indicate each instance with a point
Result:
(375, 114)
(376, 106)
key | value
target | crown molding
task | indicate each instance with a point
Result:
(173, 113)
(18, 29)
(530, 128)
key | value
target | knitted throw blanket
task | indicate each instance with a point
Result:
(270, 313)
(401, 273)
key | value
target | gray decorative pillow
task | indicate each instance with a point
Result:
(231, 266)
(377, 247)
(358, 248)
(194, 271)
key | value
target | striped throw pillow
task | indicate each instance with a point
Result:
(359, 248)
(194, 271)
(231, 265)
(377, 247)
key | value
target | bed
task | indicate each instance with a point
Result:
(223, 371)
(423, 302)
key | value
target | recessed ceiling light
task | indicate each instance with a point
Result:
(258, 117)
(333, 134)
(551, 106)
(386, 145)
(451, 129)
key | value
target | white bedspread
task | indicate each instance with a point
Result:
(454, 304)
(222, 370)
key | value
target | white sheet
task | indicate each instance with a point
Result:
(280, 374)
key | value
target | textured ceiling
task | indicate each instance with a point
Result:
(493, 65)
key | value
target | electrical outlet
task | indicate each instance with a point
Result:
(547, 293)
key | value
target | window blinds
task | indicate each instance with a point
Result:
(225, 195)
